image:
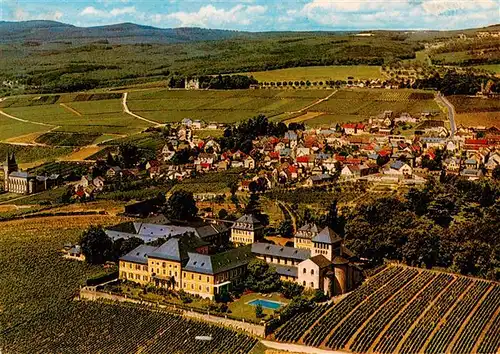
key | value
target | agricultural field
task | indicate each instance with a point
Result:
(405, 310)
(98, 113)
(319, 73)
(354, 105)
(28, 154)
(105, 328)
(219, 106)
(476, 111)
(34, 277)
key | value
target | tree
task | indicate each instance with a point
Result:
(496, 173)
(319, 296)
(96, 245)
(259, 312)
(261, 277)
(122, 247)
(130, 154)
(286, 228)
(181, 206)
(223, 214)
(291, 289)
(253, 208)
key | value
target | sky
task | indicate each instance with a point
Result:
(262, 15)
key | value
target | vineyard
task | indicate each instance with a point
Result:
(357, 105)
(219, 106)
(104, 328)
(405, 310)
(476, 111)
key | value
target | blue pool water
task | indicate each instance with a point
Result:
(273, 305)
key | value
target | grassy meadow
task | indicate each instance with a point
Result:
(319, 73)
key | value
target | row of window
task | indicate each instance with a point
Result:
(304, 271)
(305, 284)
(192, 277)
(134, 276)
(192, 287)
(241, 239)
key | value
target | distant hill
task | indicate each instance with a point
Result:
(124, 33)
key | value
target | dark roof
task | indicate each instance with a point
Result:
(338, 260)
(321, 261)
(266, 249)
(248, 222)
(311, 227)
(210, 230)
(328, 236)
(218, 263)
(177, 248)
(286, 270)
(138, 254)
(21, 174)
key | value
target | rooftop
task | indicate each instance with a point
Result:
(266, 249)
(218, 263)
(138, 254)
(328, 236)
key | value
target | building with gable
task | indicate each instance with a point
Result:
(23, 182)
(246, 230)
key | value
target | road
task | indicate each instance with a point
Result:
(127, 111)
(451, 113)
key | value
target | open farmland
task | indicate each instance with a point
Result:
(405, 310)
(476, 111)
(27, 154)
(219, 106)
(319, 73)
(351, 105)
(99, 113)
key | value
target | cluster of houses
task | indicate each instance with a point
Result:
(190, 259)
(352, 152)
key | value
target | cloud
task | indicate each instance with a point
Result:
(116, 12)
(23, 15)
(438, 7)
(398, 14)
(210, 16)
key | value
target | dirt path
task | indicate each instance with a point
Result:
(314, 103)
(297, 348)
(26, 121)
(127, 111)
(72, 110)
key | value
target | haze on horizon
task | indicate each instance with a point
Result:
(263, 15)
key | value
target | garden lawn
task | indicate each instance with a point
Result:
(241, 309)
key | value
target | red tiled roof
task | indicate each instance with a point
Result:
(303, 159)
(349, 126)
(476, 141)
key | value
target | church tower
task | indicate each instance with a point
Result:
(9, 166)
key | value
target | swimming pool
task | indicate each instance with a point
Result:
(268, 304)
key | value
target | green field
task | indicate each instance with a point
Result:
(319, 73)
(10, 128)
(351, 105)
(73, 113)
(26, 154)
(491, 67)
(219, 106)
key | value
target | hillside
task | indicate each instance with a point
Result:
(405, 310)
(123, 33)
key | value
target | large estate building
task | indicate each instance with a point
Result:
(325, 263)
(23, 182)
(189, 260)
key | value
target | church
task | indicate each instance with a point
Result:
(23, 182)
